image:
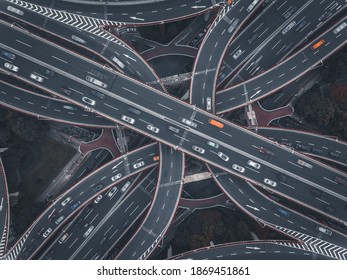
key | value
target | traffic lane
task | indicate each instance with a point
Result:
(305, 142)
(164, 204)
(100, 210)
(252, 251)
(205, 72)
(165, 96)
(50, 108)
(255, 34)
(282, 74)
(161, 11)
(112, 113)
(280, 44)
(85, 193)
(266, 209)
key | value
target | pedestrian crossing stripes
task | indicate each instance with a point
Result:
(14, 251)
(88, 24)
(316, 245)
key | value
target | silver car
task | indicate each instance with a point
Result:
(138, 164)
(198, 149)
(116, 177)
(238, 168)
(223, 156)
(127, 119)
(253, 164)
(270, 182)
(212, 144)
(153, 128)
(89, 101)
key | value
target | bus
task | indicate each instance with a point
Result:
(318, 44)
(215, 123)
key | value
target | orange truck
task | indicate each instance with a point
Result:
(215, 123)
(318, 44)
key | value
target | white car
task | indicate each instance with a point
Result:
(98, 198)
(11, 67)
(112, 192)
(66, 201)
(89, 101)
(188, 122)
(36, 77)
(138, 164)
(198, 149)
(288, 27)
(254, 164)
(126, 186)
(116, 177)
(212, 144)
(96, 82)
(237, 54)
(340, 27)
(153, 128)
(270, 182)
(47, 232)
(63, 238)
(208, 104)
(238, 168)
(69, 107)
(223, 156)
(127, 119)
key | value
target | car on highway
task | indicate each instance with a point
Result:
(89, 101)
(89, 230)
(66, 90)
(69, 107)
(237, 54)
(254, 164)
(126, 186)
(304, 163)
(66, 201)
(300, 26)
(63, 238)
(8, 55)
(134, 110)
(153, 128)
(75, 205)
(102, 240)
(340, 27)
(317, 151)
(208, 104)
(97, 188)
(96, 81)
(78, 39)
(116, 177)
(188, 122)
(238, 168)
(49, 72)
(212, 144)
(112, 192)
(289, 12)
(283, 178)
(265, 151)
(324, 230)
(138, 164)
(156, 158)
(233, 25)
(252, 38)
(15, 10)
(173, 129)
(59, 220)
(334, 154)
(127, 119)
(36, 77)
(118, 62)
(98, 198)
(198, 149)
(288, 27)
(223, 156)
(340, 180)
(270, 182)
(98, 94)
(11, 67)
(283, 212)
(47, 232)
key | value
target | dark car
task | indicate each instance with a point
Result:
(75, 205)
(8, 55)
(97, 188)
(98, 94)
(283, 178)
(317, 151)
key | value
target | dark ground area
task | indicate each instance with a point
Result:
(32, 161)
(326, 104)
